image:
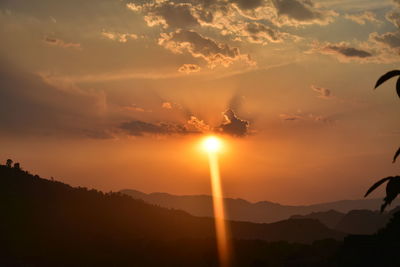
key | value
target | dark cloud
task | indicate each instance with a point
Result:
(348, 51)
(141, 128)
(167, 14)
(248, 4)
(299, 12)
(239, 18)
(390, 39)
(343, 51)
(60, 43)
(233, 125)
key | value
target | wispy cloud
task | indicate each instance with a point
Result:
(322, 92)
(120, 37)
(60, 43)
(362, 18)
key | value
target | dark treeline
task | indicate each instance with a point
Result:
(48, 223)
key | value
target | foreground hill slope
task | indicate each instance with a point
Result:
(32, 203)
(242, 210)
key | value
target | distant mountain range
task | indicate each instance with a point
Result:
(360, 222)
(259, 212)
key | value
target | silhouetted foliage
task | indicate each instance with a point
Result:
(396, 155)
(393, 186)
(388, 76)
(17, 166)
(383, 79)
(392, 189)
(9, 163)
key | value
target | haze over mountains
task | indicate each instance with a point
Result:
(259, 212)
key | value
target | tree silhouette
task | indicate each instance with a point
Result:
(393, 185)
(9, 163)
(392, 189)
(17, 166)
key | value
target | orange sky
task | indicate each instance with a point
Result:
(116, 94)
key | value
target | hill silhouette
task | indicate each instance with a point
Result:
(242, 210)
(49, 223)
(45, 221)
(360, 222)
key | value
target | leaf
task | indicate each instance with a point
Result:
(396, 155)
(377, 184)
(386, 77)
(398, 86)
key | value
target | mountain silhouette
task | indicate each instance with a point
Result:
(49, 223)
(360, 222)
(242, 210)
(44, 221)
(330, 218)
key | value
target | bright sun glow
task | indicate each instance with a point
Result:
(212, 144)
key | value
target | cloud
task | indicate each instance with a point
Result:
(301, 12)
(135, 108)
(362, 18)
(141, 128)
(233, 16)
(213, 52)
(322, 92)
(290, 117)
(167, 14)
(258, 33)
(343, 51)
(233, 125)
(60, 43)
(197, 125)
(120, 37)
(189, 68)
(248, 4)
(389, 40)
(394, 17)
(300, 116)
(166, 105)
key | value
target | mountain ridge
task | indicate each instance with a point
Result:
(242, 210)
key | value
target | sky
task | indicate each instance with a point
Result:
(115, 94)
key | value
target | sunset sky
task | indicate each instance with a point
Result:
(115, 94)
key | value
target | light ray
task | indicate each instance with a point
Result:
(212, 146)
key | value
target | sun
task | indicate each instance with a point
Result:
(212, 144)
